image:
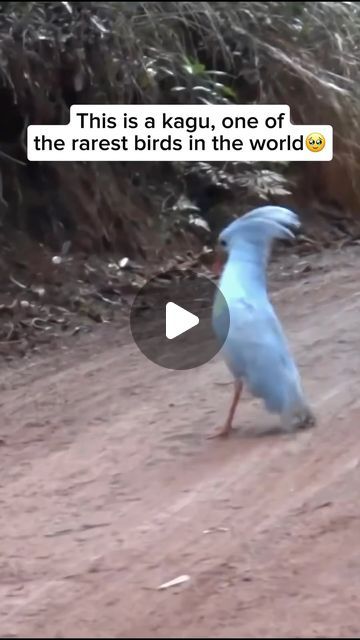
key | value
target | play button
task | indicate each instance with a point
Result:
(178, 320)
(171, 320)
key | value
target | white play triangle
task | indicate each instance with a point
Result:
(178, 320)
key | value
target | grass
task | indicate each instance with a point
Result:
(54, 54)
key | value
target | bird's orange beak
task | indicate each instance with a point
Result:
(219, 261)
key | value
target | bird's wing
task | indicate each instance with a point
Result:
(256, 351)
(256, 339)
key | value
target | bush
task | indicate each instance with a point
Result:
(55, 54)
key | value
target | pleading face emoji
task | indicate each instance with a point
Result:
(315, 142)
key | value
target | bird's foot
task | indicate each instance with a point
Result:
(224, 432)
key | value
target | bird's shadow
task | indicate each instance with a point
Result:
(268, 432)
(275, 430)
(262, 432)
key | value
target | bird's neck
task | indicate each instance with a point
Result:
(246, 275)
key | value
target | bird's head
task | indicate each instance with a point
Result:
(251, 236)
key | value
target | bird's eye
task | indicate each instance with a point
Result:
(223, 243)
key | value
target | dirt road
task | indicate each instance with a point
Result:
(109, 487)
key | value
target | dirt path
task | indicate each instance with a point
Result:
(109, 487)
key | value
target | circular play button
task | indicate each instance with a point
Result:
(171, 320)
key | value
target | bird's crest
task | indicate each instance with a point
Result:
(259, 228)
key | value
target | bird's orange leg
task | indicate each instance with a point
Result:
(226, 429)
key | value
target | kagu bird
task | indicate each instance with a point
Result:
(255, 349)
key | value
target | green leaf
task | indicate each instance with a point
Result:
(229, 92)
(194, 67)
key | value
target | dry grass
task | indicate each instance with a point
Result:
(54, 54)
